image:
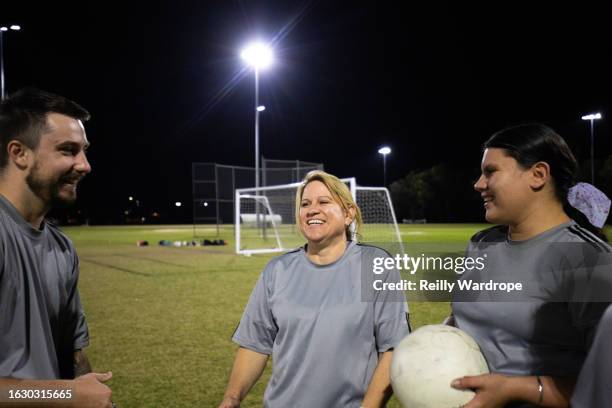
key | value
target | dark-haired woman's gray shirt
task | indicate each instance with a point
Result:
(324, 337)
(543, 329)
(41, 318)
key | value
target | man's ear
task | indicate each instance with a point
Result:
(540, 175)
(19, 154)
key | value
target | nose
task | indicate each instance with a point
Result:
(313, 209)
(480, 184)
(82, 164)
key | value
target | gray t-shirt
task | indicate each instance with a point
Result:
(41, 318)
(324, 340)
(539, 331)
(593, 389)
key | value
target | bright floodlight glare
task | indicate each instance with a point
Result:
(3, 28)
(178, 204)
(592, 116)
(15, 27)
(261, 108)
(205, 204)
(257, 55)
(384, 150)
(131, 198)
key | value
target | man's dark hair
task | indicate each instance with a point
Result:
(23, 117)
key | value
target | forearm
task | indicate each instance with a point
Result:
(379, 391)
(556, 391)
(81, 363)
(248, 367)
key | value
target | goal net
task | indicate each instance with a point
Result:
(265, 218)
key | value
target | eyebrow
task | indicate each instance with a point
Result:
(323, 196)
(72, 144)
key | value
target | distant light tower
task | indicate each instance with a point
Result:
(592, 117)
(2, 30)
(258, 56)
(385, 150)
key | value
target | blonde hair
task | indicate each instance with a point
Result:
(340, 194)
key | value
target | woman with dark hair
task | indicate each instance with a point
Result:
(535, 343)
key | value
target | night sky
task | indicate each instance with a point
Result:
(166, 86)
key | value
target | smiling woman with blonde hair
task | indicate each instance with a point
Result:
(340, 194)
(330, 346)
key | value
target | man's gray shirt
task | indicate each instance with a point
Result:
(41, 318)
(323, 337)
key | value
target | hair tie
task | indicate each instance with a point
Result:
(590, 201)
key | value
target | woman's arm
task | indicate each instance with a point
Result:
(248, 366)
(496, 390)
(379, 391)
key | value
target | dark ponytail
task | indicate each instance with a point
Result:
(531, 143)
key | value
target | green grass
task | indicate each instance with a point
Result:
(161, 318)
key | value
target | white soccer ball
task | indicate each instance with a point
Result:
(428, 360)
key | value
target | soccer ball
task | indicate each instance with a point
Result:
(426, 361)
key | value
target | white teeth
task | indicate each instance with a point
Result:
(311, 222)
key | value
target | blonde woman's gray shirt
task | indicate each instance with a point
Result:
(323, 331)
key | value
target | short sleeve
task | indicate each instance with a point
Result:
(257, 329)
(76, 315)
(590, 286)
(1, 256)
(391, 323)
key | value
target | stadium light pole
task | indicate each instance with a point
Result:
(2, 30)
(592, 117)
(258, 56)
(385, 150)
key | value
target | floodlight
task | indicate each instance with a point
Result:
(258, 55)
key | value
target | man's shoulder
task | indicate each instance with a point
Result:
(57, 236)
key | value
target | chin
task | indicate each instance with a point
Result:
(314, 239)
(496, 219)
(491, 218)
(63, 200)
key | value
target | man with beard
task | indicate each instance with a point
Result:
(42, 326)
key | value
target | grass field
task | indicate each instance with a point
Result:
(161, 318)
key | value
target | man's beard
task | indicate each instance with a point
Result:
(49, 190)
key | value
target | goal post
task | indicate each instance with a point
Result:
(272, 227)
(379, 221)
(260, 218)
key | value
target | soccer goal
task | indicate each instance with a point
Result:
(265, 218)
